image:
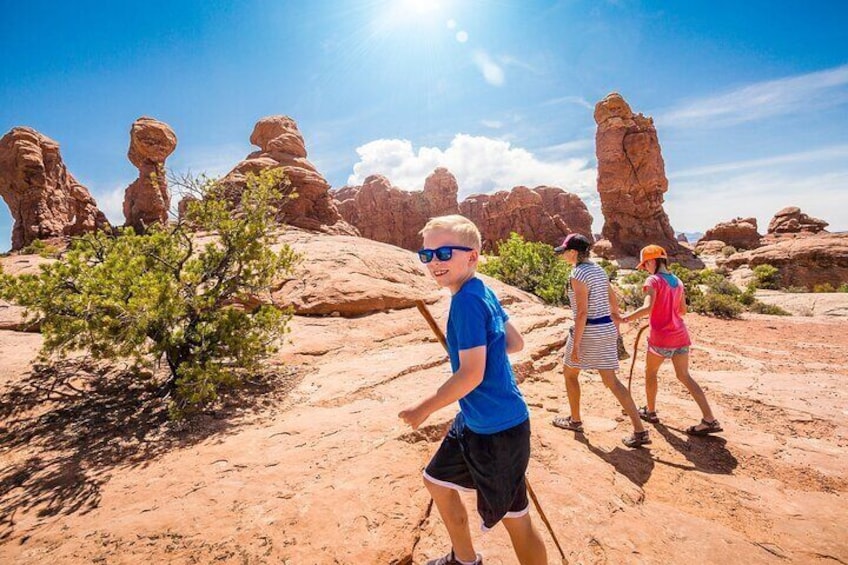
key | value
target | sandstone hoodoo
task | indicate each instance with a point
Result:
(44, 199)
(147, 200)
(631, 183)
(282, 146)
(543, 214)
(792, 220)
(389, 214)
(740, 233)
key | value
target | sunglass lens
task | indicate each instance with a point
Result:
(444, 253)
(425, 255)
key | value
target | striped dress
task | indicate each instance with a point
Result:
(598, 349)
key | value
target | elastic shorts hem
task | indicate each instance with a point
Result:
(516, 514)
(446, 484)
(668, 352)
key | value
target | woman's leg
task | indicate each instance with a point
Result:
(623, 395)
(652, 367)
(681, 369)
(572, 389)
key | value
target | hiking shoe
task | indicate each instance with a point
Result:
(450, 559)
(709, 428)
(637, 439)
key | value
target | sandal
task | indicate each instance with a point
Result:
(568, 424)
(637, 439)
(648, 416)
(711, 428)
(450, 559)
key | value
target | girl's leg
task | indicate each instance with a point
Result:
(623, 395)
(572, 389)
(681, 369)
(652, 367)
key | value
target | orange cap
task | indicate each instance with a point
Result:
(651, 252)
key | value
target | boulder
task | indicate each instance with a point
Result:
(741, 233)
(147, 200)
(281, 146)
(791, 220)
(632, 181)
(45, 200)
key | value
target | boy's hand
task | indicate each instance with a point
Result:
(414, 416)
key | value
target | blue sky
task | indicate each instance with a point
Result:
(750, 98)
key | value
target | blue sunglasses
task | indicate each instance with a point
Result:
(443, 253)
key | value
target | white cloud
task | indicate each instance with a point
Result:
(586, 145)
(821, 154)
(812, 91)
(578, 100)
(492, 73)
(481, 164)
(111, 203)
(494, 124)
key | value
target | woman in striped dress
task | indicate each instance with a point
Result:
(592, 342)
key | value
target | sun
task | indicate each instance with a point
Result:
(422, 6)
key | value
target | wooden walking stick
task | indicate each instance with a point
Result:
(635, 349)
(441, 337)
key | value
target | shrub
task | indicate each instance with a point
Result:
(842, 288)
(636, 277)
(824, 287)
(152, 297)
(718, 305)
(41, 248)
(609, 267)
(772, 309)
(746, 298)
(767, 276)
(728, 250)
(630, 297)
(530, 266)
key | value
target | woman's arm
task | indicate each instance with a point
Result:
(581, 314)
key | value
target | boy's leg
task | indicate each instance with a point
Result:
(572, 389)
(681, 369)
(455, 517)
(652, 367)
(528, 544)
(623, 395)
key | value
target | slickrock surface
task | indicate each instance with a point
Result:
(44, 199)
(313, 465)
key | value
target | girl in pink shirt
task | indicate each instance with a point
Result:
(665, 303)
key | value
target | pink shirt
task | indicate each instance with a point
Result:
(667, 328)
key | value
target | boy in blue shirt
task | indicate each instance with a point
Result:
(487, 448)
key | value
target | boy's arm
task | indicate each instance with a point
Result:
(472, 364)
(514, 341)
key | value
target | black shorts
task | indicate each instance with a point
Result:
(492, 464)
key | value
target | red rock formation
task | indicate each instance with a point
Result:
(741, 233)
(543, 214)
(147, 200)
(792, 220)
(45, 200)
(282, 146)
(681, 238)
(385, 213)
(631, 182)
(804, 261)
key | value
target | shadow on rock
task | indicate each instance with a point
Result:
(635, 464)
(708, 454)
(66, 427)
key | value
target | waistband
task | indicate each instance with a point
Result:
(598, 321)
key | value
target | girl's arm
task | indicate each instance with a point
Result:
(681, 308)
(644, 310)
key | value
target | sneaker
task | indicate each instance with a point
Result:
(449, 559)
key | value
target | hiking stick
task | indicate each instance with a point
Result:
(441, 337)
(635, 349)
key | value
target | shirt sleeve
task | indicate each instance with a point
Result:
(651, 282)
(470, 321)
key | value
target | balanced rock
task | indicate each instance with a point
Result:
(44, 199)
(632, 181)
(543, 214)
(147, 200)
(741, 233)
(389, 214)
(792, 220)
(282, 146)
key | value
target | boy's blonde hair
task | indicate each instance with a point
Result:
(466, 232)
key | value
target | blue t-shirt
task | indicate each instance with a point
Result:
(476, 318)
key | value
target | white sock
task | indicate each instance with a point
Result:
(476, 560)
